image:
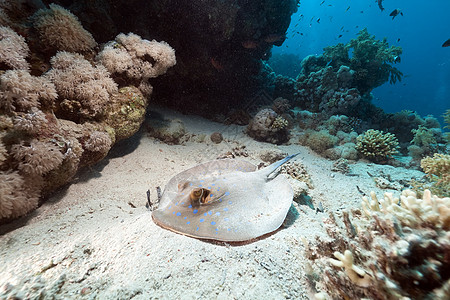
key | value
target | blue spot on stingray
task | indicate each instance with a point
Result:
(190, 206)
(197, 228)
(178, 214)
(185, 218)
(173, 213)
(227, 193)
(205, 214)
(176, 204)
(202, 180)
(213, 223)
(209, 212)
(202, 220)
(190, 184)
(169, 207)
(188, 222)
(213, 184)
(182, 203)
(195, 211)
(225, 209)
(229, 229)
(218, 189)
(199, 185)
(208, 187)
(229, 202)
(212, 195)
(217, 213)
(225, 219)
(217, 229)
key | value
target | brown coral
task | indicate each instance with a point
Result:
(20, 91)
(84, 90)
(13, 50)
(14, 200)
(36, 157)
(59, 29)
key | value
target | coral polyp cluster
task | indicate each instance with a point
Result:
(70, 116)
(377, 145)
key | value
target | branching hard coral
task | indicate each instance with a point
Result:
(397, 249)
(430, 211)
(84, 90)
(13, 50)
(437, 169)
(135, 60)
(376, 145)
(60, 30)
(20, 91)
(423, 136)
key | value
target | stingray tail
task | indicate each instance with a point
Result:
(273, 170)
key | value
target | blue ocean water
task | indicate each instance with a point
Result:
(421, 31)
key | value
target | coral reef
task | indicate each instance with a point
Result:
(13, 50)
(376, 145)
(68, 118)
(84, 90)
(371, 60)
(437, 169)
(59, 29)
(132, 60)
(395, 248)
(268, 126)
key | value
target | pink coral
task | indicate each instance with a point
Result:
(20, 91)
(58, 28)
(36, 157)
(14, 199)
(13, 49)
(77, 80)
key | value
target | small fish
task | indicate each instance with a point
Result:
(380, 4)
(274, 37)
(446, 43)
(397, 59)
(362, 11)
(311, 19)
(249, 44)
(342, 28)
(322, 3)
(395, 13)
(340, 36)
(398, 40)
(318, 20)
(347, 8)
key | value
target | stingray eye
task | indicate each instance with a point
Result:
(196, 194)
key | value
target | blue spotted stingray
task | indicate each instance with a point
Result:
(226, 200)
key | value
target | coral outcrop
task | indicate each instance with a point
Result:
(59, 29)
(268, 126)
(376, 145)
(397, 248)
(68, 118)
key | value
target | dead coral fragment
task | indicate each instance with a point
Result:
(376, 145)
(58, 28)
(430, 211)
(13, 49)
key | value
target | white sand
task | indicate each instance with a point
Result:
(86, 241)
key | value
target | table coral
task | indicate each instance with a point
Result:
(376, 145)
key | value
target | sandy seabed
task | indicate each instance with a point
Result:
(95, 239)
